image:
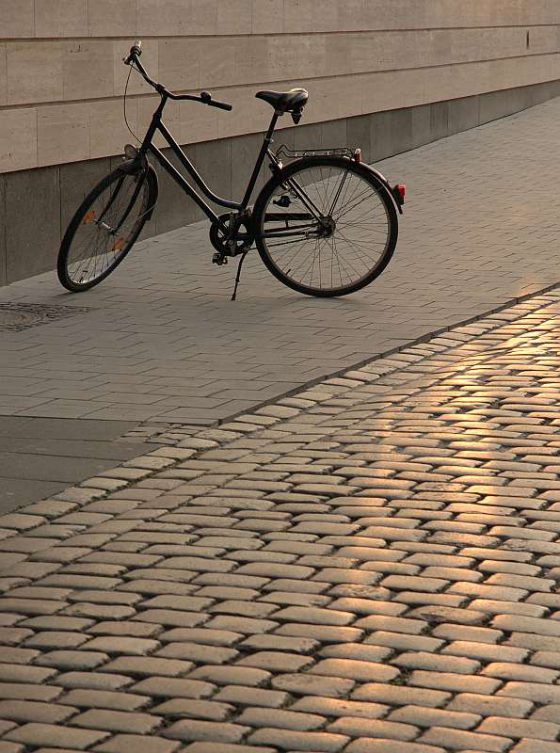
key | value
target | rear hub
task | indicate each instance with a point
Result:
(326, 228)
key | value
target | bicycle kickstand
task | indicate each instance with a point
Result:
(238, 275)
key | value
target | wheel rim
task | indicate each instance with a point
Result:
(106, 229)
(340, 250)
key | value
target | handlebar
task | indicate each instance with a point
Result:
(205, 98)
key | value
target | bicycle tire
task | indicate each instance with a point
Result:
(267, 222)
(138, 210)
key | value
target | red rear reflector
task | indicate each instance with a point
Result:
(357, 155)
(401, 190)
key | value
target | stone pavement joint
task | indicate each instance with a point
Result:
(225, 600)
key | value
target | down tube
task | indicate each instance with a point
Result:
(184, 160)
(184, 184)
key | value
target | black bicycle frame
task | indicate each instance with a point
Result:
(157, 125)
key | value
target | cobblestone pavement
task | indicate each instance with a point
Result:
(370, 566)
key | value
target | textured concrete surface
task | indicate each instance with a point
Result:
(369, 566)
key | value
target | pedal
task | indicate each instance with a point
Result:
(219, 259)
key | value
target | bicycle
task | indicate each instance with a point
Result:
(325, 224)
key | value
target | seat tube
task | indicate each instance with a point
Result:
(260, 159)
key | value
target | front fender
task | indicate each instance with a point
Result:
(136, 165)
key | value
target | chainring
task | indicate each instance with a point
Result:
(243, 237)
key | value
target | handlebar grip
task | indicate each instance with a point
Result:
(221, 105)
(206, 98)
(135, 52)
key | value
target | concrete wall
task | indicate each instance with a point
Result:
(368, 62)
(61, 72)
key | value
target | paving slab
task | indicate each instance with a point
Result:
(52, 430)
(42, 456)
(16, 492)
(368, 565)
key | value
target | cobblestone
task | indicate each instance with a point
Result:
(318, 742)
(536, 746)
(366, 728)
(276, 661)
(67, 660)
(169, 687)
(536, 692)
(124, 743)
(148, 666)
(400, 694)
(360, 671)
(117, 721)
(490, 705)
(454, 682)
(188, 730)
(91, 680)
(30, 711)
(382, 746)
(306, 684)
(247, 696)
(104, 699)
(281, 719)
(35, 734)
(520, 728)
(429, 717)
(460, 740)
(226, 748)
(333, 707)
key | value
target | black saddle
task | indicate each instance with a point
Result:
(292, 101)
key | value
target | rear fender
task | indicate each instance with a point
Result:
(392, 191)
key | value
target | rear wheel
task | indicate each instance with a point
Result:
(105, 227)
(325, 226)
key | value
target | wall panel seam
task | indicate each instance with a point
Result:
(272, 82)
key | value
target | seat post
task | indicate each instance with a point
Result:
(272, 126)
(260, 159)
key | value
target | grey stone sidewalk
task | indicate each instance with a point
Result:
(160, 341)
(42, 456)
(370, 566)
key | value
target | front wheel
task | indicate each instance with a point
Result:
(325, 226)
(105, 227)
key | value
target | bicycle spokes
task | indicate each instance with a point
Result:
(106, 229)
(326, 229)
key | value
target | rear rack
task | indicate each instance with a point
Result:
(287, 153)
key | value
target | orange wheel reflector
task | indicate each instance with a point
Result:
(89, 218)
(118, 245)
